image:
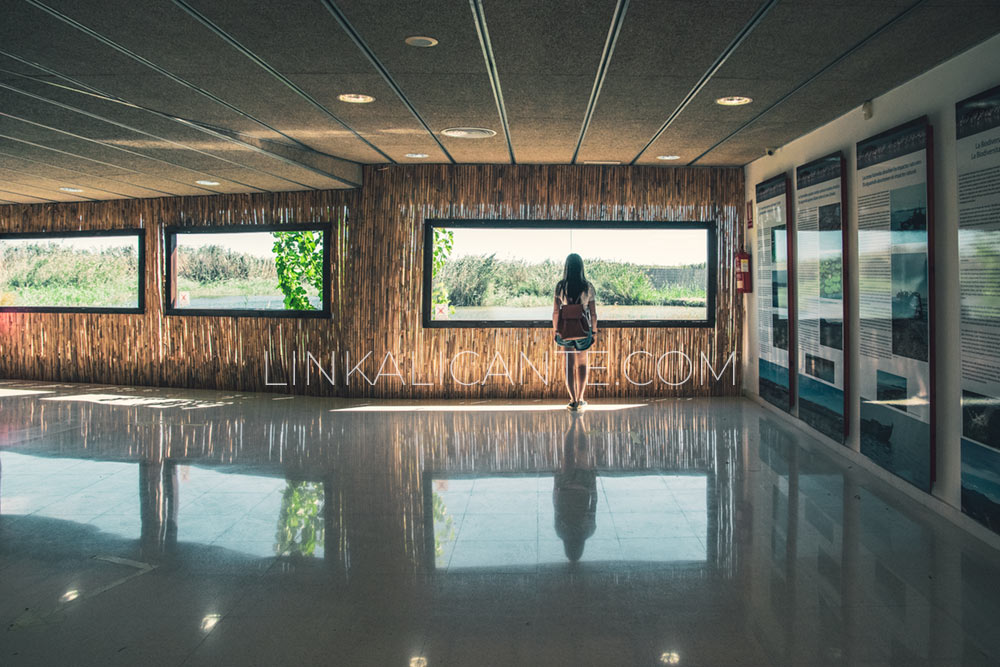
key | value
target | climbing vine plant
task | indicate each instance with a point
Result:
(298, 258)
(444, 241)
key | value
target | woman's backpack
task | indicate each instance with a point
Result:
(573, 323)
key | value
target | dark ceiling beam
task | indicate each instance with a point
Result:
(823, 70)
(88, 159)
(264, 65)
(77, 171)
(40, 188)
(335, 168)
(160, 70)
(479, 17)
(380, 68)
(709, 73)
(124, 126)
(602, 71)
(49, 165)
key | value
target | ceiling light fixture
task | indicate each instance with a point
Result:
(209, 622)
(203, 182)
(468, 132)
(355, 98)
(67, 189)
(417, 156)
(421, 41)
(734, 100)
(668, 157)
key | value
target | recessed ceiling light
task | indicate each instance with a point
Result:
(421, 41)
(207, 182)
(66, 189)
(668, 157)
(355, 98)
(210, 621)
(417, 155)
(734, 100)
(468, 132)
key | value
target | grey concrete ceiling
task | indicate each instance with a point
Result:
(143, 98)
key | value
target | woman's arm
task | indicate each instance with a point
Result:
(593, 314)
(555, 313)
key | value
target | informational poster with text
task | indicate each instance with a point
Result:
(894, 301)
(819, 224)
(977, 125)
(773, 293)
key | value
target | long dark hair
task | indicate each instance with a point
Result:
(574, 279)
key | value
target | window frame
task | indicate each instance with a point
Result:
(711, 264)
(170, 234)
(138, 232)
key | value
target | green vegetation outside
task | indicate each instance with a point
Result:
(486, 281)
(49, 275)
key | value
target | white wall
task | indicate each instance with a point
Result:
(933, 94)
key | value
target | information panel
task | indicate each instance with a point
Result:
(895, 301)
(978, 133)
(819, 244)
(775, 294)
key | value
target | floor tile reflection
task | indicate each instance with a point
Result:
(190, 527)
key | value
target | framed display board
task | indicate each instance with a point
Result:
(896, 300)
(977, 121)
(775, 292)
(821, 290)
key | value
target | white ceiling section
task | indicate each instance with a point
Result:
(147, 97)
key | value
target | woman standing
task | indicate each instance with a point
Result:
(575, 290)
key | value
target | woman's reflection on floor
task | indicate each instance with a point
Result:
(574, 494)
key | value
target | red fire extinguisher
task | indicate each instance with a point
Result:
(744, 283)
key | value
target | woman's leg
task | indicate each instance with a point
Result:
(571, 376)
(582, 373)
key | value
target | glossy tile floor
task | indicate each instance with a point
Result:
(170, 527)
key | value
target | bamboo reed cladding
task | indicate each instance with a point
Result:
(376, 264)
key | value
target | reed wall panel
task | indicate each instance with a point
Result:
(376, 290)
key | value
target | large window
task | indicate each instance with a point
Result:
(100, 271)
(279, 270)
(503, 273)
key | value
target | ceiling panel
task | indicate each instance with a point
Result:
(448, 84)
(273, 132)
(176, 139)
(663, 50)
(321, 60)
(956, 26)
(777, 56)
(45, 173)
(163, 33)
(548, 54)
(15, 189)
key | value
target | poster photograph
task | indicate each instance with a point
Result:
(895, 237)
(819, 215)
(977, 122)
(775, 292)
